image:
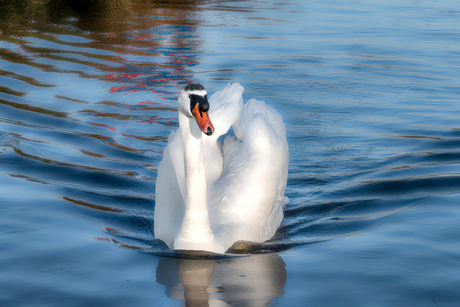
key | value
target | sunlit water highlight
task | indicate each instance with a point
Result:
(368, 92)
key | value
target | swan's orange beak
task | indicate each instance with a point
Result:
(203, 120)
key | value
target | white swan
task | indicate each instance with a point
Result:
(211, 194)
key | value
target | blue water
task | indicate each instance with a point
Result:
(368, 92)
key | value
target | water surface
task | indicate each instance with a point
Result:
(368, 92)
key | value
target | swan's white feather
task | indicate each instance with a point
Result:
(246, 175)
(246, 201)
(170, 191)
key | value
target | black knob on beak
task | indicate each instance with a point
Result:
(204, 105)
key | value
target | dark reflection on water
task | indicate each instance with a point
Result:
(368, 92)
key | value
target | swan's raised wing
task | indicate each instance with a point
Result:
(226, 106)
(254, 108)
(246, 201)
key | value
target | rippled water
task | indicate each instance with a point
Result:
(368, 92)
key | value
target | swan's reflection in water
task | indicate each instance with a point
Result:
(241, 281)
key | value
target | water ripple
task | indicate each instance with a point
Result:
(89, 113)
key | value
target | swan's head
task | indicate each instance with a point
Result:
(193, 102)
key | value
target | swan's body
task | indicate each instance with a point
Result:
(210, 195)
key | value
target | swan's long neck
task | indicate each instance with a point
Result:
(196, 232)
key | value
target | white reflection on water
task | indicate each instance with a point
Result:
(241, 281)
